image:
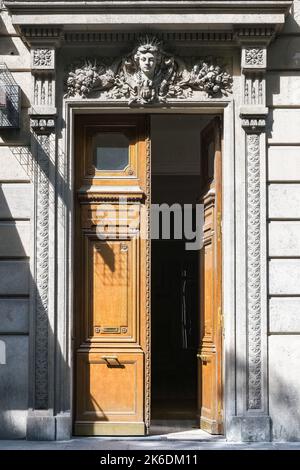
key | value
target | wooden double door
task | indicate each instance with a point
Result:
(112, 277)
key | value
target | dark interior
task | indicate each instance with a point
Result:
(175, 283)
(174, 331)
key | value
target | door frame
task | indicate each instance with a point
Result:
(227, 110)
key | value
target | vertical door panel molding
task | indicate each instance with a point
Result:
(147, 210)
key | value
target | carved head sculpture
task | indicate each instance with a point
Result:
(147, 55)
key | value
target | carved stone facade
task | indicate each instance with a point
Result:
(254, 395)
(43, 84)
(147, 75)
(42, 58)
(186, 63)
(253, 113)
(42, 273)
(254, 56)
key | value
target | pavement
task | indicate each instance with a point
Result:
(186, 440)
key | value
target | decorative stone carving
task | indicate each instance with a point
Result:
(93, 37)
(254, 56)
(43, 58)
(42, 274)
(43, 90)
(43, 81)
(42, 124)
(254, 392)
(148, 75)
(253, 123)
(254, 90)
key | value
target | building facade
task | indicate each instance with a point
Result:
(73, 72)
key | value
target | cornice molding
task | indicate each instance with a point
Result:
(186, 13)
(279, 5)
(94, 37)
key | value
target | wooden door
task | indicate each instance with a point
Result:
(210, 348)
(111, 295)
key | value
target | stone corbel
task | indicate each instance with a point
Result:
(43, 80)
(42, 125)
(253, 124)
(254, 42)
(43, 43)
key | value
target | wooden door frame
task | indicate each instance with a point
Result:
(226, 110)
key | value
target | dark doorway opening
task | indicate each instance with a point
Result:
(175, 283)
(174, 332)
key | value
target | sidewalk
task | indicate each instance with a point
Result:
(188, 440)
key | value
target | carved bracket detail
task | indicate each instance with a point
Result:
(43, 124)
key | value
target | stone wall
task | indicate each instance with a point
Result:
(16, 237)
(283, 85)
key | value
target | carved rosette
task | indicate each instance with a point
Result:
(254, 58)
(253, 272)
(42, 58)
(148, 75)
(42, 273)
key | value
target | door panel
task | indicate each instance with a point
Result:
(111, 287)
(210, 349)
(111, 275)
(110, 387)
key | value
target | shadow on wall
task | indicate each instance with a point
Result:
(12, 51)
(283, 386)
(31, 359)
(285, 407)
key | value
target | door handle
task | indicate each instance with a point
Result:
(204, 357)
(111, 360)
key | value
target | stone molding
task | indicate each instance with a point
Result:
(42, 125)
(42, 273)
(40, 36)
(253, 124)
(254, 386)
(186, 37)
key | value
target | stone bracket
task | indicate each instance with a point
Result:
(42, 124)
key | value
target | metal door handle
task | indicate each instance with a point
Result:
(204, 357)
(111, 360)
